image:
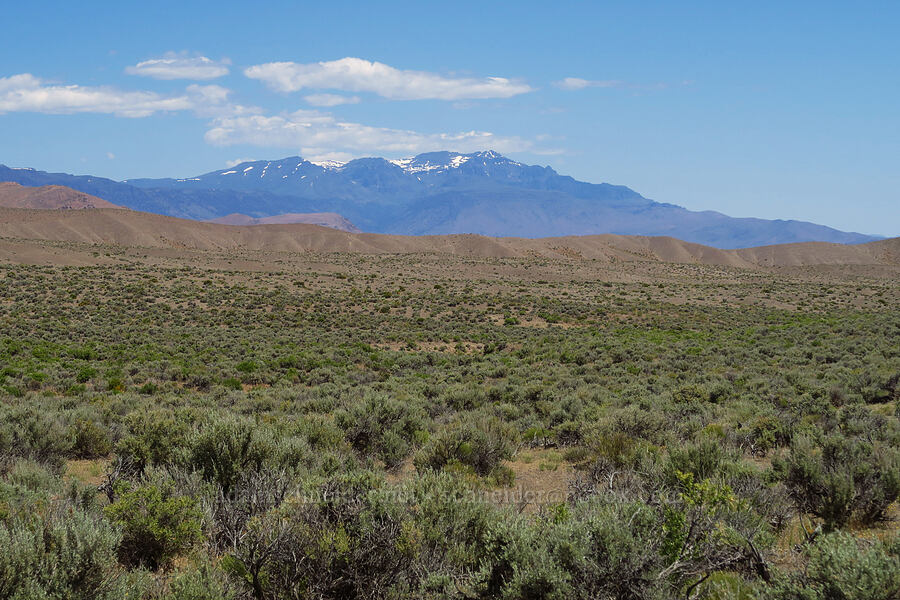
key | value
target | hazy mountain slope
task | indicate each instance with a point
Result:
(132, 228)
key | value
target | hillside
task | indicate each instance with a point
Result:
(131, 228)
(433, 194)
(49, 197)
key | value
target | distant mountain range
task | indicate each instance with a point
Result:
(435, 193)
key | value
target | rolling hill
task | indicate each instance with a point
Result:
(132, 228)
(49, 197)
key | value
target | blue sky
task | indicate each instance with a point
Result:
(768, 109)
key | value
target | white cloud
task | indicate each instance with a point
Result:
(180, 66)
(358, 75)
(110, 156)
(237, 161)
(330, 99)
(27, 93)
(577, 83)
(316, 133)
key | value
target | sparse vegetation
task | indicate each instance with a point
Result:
(352, 426)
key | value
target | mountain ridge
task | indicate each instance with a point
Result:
(437, 193)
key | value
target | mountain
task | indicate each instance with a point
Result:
(436, 193)
(331, 220)
(49, 197)
(22, 233)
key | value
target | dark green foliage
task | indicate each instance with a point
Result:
(154, 438)
(91, 440)
(200, 582)
(157, 525)
(480, 442)
(226, 448)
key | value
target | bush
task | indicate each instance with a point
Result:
(354, 542)
(64, 554)
(840, 566)
(382, 426)
(91, 440)
(30, 433)
(156, 525)
(479, 443)
(846, 478)
(154, 439)
(228, 447)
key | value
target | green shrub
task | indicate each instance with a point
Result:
(91, 440)
(31, 433)
(227, 447)
(63, 554)
(481, 443)
(156, 525)
(154, 438)
(383, 427)
(840, 566)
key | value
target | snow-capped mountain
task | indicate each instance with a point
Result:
(434, 193)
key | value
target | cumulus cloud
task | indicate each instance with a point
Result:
(330, 99)
(180, 66)
(358, 75)
(577, 83)
(27, 93)
(316, 133)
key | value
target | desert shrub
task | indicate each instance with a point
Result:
(254, 493)
(32, 476)
(518, 564)
(841, 566)
(153, 438)
(91, 440)
(227, 447)
(703, 460)
(383, 427)
(335, 533)
(690, 393)
(32, 433)
(156, 525)
(843, 478)
(481, 443)
(63, 553)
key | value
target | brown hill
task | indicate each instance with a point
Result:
(48, 197)
(132, 228)
(325, 219)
